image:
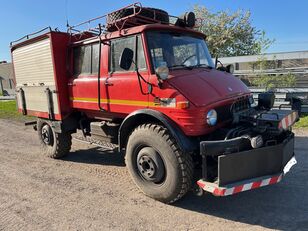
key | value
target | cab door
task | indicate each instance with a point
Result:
(124, 91)
(83, 85)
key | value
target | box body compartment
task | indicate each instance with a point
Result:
(40, 75)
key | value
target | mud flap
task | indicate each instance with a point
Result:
(244, 165)
(254, 163)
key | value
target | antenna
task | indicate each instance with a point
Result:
(66, 13)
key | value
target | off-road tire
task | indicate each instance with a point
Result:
(61, 144)
(178, 165)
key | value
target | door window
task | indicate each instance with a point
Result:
(117, 47)
(86, 59)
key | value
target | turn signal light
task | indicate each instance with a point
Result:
(182, 105)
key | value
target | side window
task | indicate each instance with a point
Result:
(117, 47)
(140, 55)
(95, 58)
(86, 59)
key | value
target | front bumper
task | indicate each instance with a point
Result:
(246, 170)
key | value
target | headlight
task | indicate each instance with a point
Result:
(211, 117)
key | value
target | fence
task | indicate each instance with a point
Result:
(285, 97)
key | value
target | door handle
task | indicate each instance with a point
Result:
(71, 84)
(107, 83)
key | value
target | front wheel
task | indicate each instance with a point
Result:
(53, 145)
(157, 165)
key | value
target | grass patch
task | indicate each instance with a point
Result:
(8, 110)
(303, 121)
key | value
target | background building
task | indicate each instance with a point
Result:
(248, 67)
(7, 85)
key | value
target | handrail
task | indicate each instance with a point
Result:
(29, 35)
(135, 17)
(70, 29)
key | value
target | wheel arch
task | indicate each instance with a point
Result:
(148, 115)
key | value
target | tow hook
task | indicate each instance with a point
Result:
(34, 123)
(197, 190)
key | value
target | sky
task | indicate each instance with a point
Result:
(283, 20)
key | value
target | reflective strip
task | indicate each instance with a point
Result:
(225, 191)
(229, 191)
(125, 102)
(247, 187)
(288, 121)
(265, 182)
(284, 125)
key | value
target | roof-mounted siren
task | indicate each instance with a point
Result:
(186, 20)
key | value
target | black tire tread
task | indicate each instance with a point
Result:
(184, 159)
(63, 145)
(62, 142)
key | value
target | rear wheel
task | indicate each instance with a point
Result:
(54, 145)
(157, 165)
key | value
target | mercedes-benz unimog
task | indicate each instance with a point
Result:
(144, 84)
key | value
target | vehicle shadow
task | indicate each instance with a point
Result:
(96, 155)
(283, 206)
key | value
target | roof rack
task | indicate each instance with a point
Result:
(132, 15)
(101, 27)
(126, 17)
(29, 36)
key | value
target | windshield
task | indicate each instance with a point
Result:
(176, 50)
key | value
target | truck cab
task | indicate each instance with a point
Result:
(149, 88)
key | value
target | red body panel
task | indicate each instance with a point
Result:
(205, 86)
(120, 92)
(59, 46)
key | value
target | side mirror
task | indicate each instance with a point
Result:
(222, 68)
(230, 68)
(126, 59)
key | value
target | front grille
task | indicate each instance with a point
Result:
(225, 113)
(240, 105)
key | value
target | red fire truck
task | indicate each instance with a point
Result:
(144, 83)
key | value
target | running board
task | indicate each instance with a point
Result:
(99, 143)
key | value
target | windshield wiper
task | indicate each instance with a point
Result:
(181, 65)
(202, 65)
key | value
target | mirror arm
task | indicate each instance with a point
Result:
(216, 62)
(140, 77)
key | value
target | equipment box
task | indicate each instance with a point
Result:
(40, 75)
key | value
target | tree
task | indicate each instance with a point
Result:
(231, 33)
(269, 82)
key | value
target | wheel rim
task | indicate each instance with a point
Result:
(47, 135)
(150, 165)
